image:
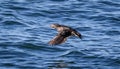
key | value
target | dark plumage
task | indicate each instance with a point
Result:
(63, 33)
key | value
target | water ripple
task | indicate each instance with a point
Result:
(113, 33)
(25, 32)
(12, 23)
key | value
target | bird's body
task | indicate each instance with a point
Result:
(63, 33)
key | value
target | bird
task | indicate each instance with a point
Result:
(63, 33)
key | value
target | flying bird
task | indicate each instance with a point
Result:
(63, 33)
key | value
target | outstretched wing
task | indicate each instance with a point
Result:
(57, 40)
(74, 32)
(60, 38)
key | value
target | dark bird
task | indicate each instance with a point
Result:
(63, 33)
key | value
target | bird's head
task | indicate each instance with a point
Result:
(54, 25)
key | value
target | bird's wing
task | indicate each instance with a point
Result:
(74, 32)
(58, 39)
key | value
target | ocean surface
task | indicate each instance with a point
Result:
(25, 32)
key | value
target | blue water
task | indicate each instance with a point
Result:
(25, 33)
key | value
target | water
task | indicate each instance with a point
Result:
(25, 32)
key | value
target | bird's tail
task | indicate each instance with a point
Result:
(77, 34)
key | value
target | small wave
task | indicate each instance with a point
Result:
(113, 33)
(111, 3)
(8, 64)
(41, 47)
(72, 52)
(58, 0)
(11, 22)
(111, 60)
(98, 17)
(15, 7)
(12, 52)
(84, 28)
(29, 67)
(21, 1)
(1, 18)
(33, 14)
(7, 14)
